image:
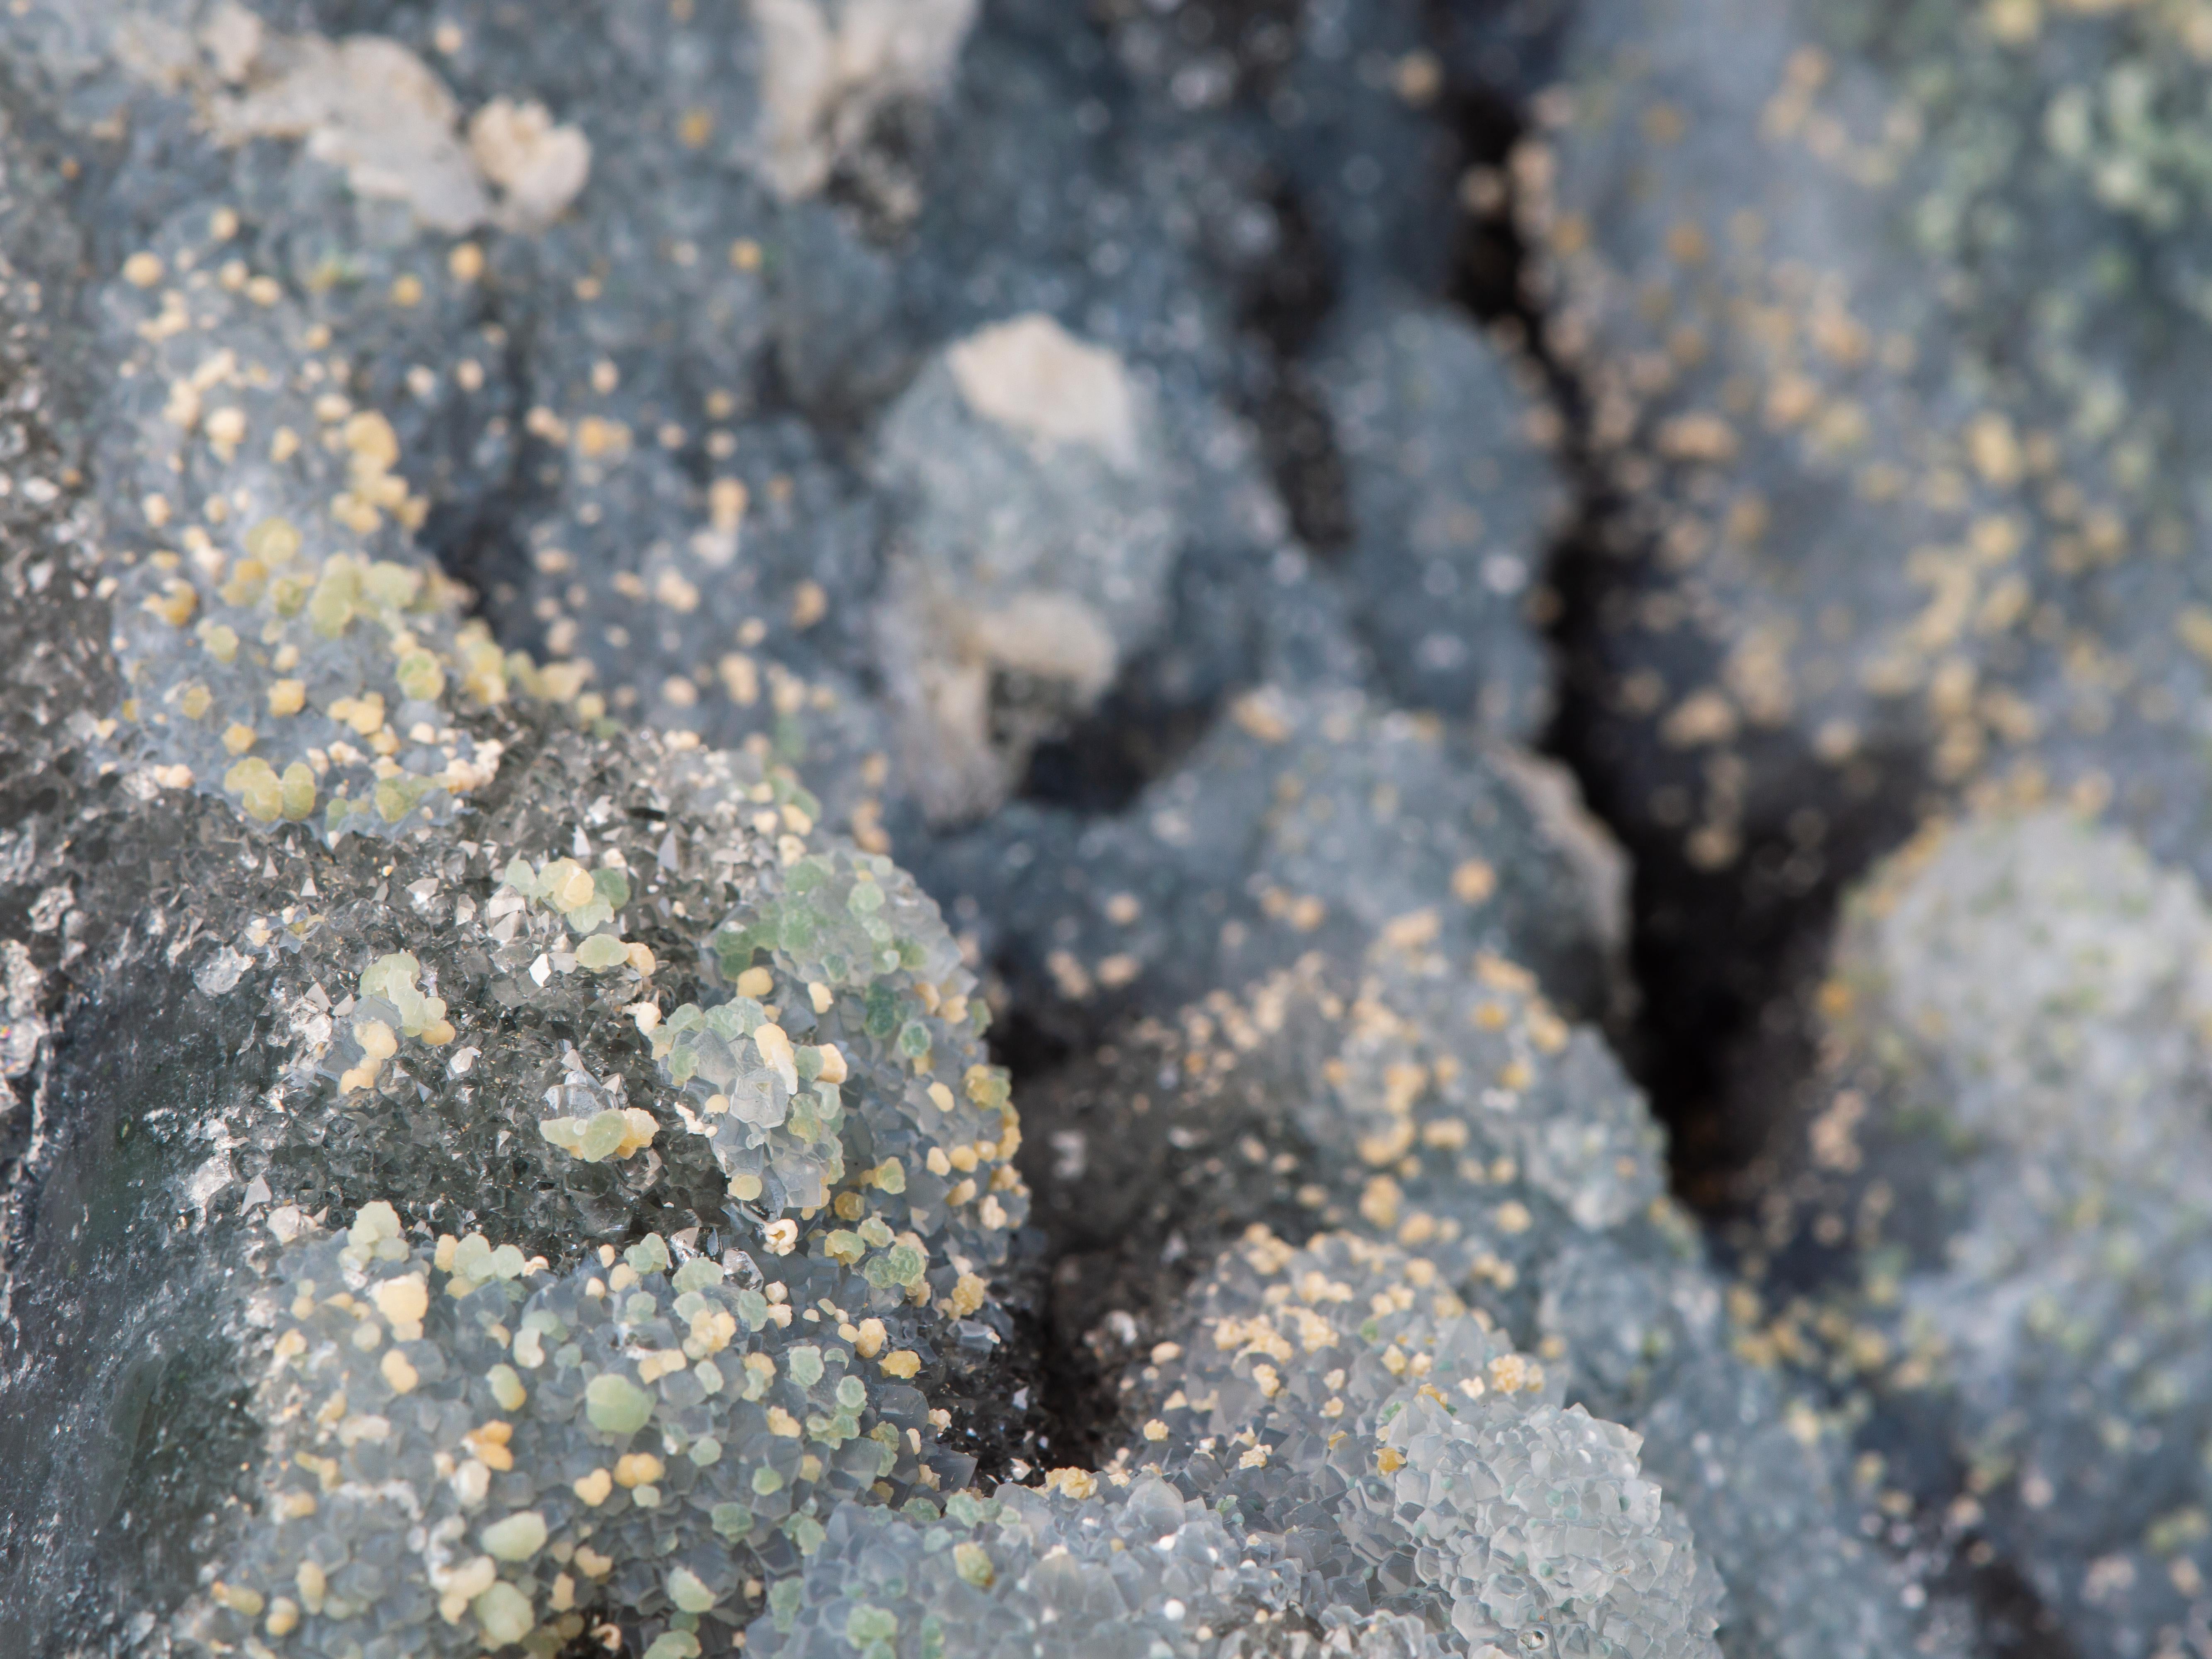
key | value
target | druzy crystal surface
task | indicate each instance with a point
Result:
(1104, 829)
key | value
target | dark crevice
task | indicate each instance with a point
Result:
(1004, 1413)
(1071, 1399)
(1067, 1411)
(1284, 314)
(1720, 1031)
(1488, 256)
(2010, 1620)
(1723, 1036)
(1722, 960)
(880, 182)
(476, 537)
(1026, 1047)
(1102, 762)
(474, 544)
(1726, 960)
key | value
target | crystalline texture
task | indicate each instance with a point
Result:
(2029, 993)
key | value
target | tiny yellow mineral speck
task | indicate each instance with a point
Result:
(634, 1469)
(238, 1598)
(401, 1300)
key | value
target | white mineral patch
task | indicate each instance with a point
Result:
(368, 105)
(1033, 377)
(22, 1026)
(828, 66)
(1041, 539)
(151, 48)
(1053, 636)
(231, 37)
(221, 971)
(371, 106)
(541, 167)
(944, 656)
(206, 1181)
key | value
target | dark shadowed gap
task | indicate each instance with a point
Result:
(1102, 762)
(1284, 314)
(476, 537)
(1071, 1403)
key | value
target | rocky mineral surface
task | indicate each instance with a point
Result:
(1108, 828)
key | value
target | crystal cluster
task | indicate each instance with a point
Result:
(1894, 374)
(1307, 821)
(1338, 1433)
(464, 1443)
(1453, 1114)
(1431, 428)
(2024, 998)
(1346, 1380)
(620, 618)
(1140, 1570)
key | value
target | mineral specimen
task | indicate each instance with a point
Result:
(1307, 820)
(1456, 1116)
(2019, 1005)
(566, 1029)
(1448, 501)
(388, 931)
(1893, 375)
(510, 518)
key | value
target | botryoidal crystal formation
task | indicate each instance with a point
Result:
(523, 529)
(446, 1410)
(1887, 326)
(545, 1181)
(464, 1422)
(2009, 1123)
(639, 990)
